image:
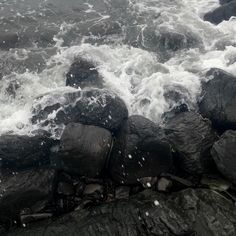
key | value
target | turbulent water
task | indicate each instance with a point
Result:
(152, 53)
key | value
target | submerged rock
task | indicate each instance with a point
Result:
(192, 138)
(19, 152)
(139, 151)
(83, 74)
(83, 149)
(31, 189)
(221, 13)
(219, 99)
(224, 152)
(164, 41)
(8, 40)
(92, 107)
(189, 212)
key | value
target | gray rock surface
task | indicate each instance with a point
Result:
(224, 152)
(189, 212)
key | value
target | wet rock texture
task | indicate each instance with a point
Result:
(219, 100)
(20, 152)
(110, 174)
(90, 107)
(192, 137)
(139, 151)
(84, 149)
(83, 74)
(224, 152)
(189, 212)
(27, 190)
(224, 12)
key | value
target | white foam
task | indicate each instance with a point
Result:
(134, 74)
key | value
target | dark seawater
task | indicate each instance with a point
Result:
(152, 53)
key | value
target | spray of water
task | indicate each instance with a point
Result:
(134, 50)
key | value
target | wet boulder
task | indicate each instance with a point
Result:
(218, 101)
(91, 107)
(83, 149)
(192, 138)
(19, 152)
(188, 212)
(30, 189)
(223, 152)
(139, 151)
(224, 12)
(82, 74)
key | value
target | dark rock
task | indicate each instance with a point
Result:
(88, 180)
(215, 182)
(219, 99)
(25, 219)
(79, 189)
(24, 190)
(164, 184)
(139, 151)
(189, 212)
(192, 137)
(222, 2)
(83, 74)
(122, 192)
(92, 188)
(65, 188)
(175, 111)
(178, 183)
(223, 153)
(221, 13)
(83, 149)
(91, 107)
(19, 152)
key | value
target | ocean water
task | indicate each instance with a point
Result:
(152, 53)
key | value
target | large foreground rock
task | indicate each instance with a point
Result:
(224, 152)
(83, 74)
(139, 151)
(30, 190)
(91, 107)
(192, 137)
(189, 212)
(219, 99)
(84, 149)
(19, 152)
(221, 13)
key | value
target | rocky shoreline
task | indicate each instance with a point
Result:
(91, 168)
(115, 174)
